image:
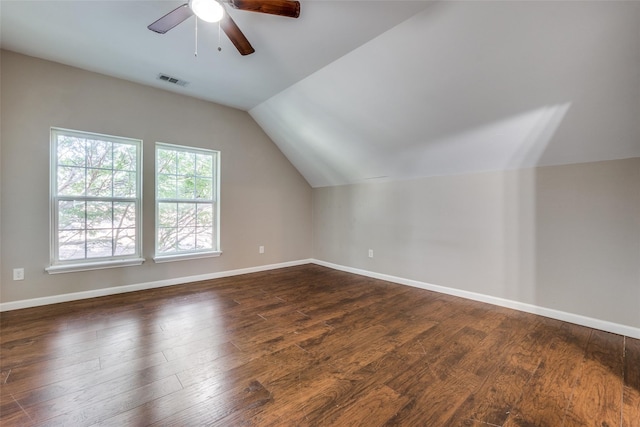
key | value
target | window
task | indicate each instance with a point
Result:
(95, 201)
(187, 207)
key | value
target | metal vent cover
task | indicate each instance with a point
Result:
(173, 80)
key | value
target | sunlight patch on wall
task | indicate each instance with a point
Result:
(515, 142)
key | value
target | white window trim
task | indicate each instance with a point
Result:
(99, 265)
(56, 266)
(183, 256)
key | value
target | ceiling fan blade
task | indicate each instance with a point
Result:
(171, 19)
(287, 8)
(236, 36)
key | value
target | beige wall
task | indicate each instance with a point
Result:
(264, 200)
(560, 237)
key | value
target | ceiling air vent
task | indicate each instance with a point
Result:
(172, 80)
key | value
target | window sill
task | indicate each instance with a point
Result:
(184, 257)
(86, 266)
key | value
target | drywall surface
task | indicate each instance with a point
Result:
(264, 200)
(466, 87)
(559, 237)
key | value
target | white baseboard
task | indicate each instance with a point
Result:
(590, 322)
(36, 302)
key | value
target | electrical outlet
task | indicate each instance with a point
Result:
(261, 249)
(18, 274)
(370, 253)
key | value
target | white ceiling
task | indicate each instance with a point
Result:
(111, 37)
(354, 91)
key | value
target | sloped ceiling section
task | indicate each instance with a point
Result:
(464, 87)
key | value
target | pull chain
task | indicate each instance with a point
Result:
(219, 47)
(196, 51)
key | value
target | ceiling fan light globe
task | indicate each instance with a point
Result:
(207, 10)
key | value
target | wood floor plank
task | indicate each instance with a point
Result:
(631, 392)
(10, 407)
(34, 375)
(374, 408)
(199, 401)
(295, 398)
(88, 415)
(548, 394)
(236, 398)
(598, 399)
(631, 413)
(81, 383)
(436, 396)
(507, 362)
(308, 346)
(386, 359)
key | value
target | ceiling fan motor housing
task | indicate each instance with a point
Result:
(213, 11)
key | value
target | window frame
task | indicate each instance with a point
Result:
(160, 257)
(66, 266)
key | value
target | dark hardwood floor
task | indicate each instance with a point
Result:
(310, 346)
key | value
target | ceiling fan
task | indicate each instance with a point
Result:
(213, 11)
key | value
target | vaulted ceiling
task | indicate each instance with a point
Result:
(355, 91)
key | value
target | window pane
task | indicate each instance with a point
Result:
(99, 215)
(124, 215)
(187, 214)
(205, 215)
(99, 154)
(124, 184)
(204, 188)
(71, 215)
(186, 163)
(204, 165)
(70, 181)
(187, 239)
(166, 240)
(204, 239)
(166, 186)
(99, 183)
(167, 214)
(71, 151)
(125, 242)
(71, 245)
(99, 243)
(166, 162)
(186, 187)
(124, 157)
